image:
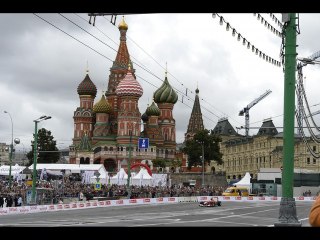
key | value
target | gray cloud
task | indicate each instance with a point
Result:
(41, 67)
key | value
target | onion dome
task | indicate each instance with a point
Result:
(165, 94)
(153, 110)
(87, 87)
(123, 25)
(129, 86)
(102, 106)
(145, 117)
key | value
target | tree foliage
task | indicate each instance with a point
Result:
(159, 163)
(46, 147)
(210, 142)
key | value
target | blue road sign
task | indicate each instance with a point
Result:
(97, 186)
(144, 143)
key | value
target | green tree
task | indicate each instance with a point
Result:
(159, 163)
(210, 142)
(47, 149)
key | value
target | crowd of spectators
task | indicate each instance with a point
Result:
(69, 188)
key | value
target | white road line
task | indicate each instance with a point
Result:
(206, 220)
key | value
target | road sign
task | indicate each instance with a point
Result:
(97, 186)
(144, 143)
(29, 196)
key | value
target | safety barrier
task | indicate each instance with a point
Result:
(139, 201)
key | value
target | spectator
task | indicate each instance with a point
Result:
(1, 201)
(81, 196)
(15, 201)
(314, 215)
(20, 201)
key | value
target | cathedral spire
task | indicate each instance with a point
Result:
(123, 57)
(195, 121)
(87, 69)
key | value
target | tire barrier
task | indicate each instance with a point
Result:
(139, 201)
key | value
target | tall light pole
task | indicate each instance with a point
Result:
(202, 158)
(10, 149)
(35, 150)
(129, 166)
(287, 212)
(202, 145)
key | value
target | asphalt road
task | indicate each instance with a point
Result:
(233, 214)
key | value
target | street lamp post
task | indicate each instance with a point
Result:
(202, 145)
(35, 150)
(202, 158)
(129, 166)
(10, 149)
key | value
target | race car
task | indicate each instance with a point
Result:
(214, 201)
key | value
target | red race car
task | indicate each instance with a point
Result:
(214, 201)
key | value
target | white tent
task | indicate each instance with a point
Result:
(89, 169)
(120, 178)
(142, 178)
(15, 170)
(244, 182)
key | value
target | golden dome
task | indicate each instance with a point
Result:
(123, 25)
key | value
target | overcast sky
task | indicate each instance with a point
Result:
(41, 67)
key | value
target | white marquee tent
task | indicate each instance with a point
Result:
(88, 169)
(142, 178)
(244, 182)
(120, 178)
(16, 169)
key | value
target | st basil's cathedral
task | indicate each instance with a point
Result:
(105, 130)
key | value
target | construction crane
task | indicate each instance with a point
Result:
(245, 111)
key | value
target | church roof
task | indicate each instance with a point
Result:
(123, 57)
(195, 121)
(87, 87)
(102, 106)
(123, 25)
(153, 110)
(165, 94)
(129, 86)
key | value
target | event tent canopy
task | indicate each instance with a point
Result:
(73, 168)
(16, 169)
(244, 182)
(120, 178)
(142, 178)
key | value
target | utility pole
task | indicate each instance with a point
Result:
(129, 167)
(287, 212)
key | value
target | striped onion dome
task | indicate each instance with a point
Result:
(129, 86)
(87, 87)
(165, 94)
(102, 106)
(153, 110)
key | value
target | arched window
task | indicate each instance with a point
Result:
(82, 160)
(106, 148)
(87, 161)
